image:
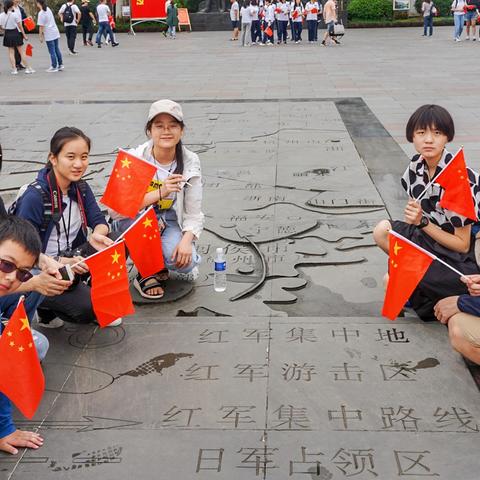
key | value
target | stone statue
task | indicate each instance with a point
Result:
(214, 6)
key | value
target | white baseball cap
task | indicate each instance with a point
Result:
(165, 106)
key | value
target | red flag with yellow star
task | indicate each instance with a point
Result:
(21, 376)
(144, 244)
(407, 266)
(457, 195)
(128, 184)
(110, 294)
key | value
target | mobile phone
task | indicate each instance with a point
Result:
(67, 273)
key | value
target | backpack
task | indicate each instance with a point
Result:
(68, 16)
(48, 214)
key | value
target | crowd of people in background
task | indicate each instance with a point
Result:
(12, 22)
(465, 14)
(256, 21)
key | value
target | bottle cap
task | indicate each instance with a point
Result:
(219, 250)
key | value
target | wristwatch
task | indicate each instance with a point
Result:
(423, 222)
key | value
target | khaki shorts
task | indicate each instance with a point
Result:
(469, 326)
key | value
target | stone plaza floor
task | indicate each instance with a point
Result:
(292, 372)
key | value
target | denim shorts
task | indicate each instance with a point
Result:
(235, 23)
(471, 15)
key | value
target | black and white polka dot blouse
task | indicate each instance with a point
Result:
(416, 178)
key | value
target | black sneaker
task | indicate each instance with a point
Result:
(20, 67)
(115, 44)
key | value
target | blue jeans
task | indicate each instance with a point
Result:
(458, 20)
(256, 31)
(171, 236)
(312, 30)
(104, 29)
(9, 303)
(55, 54)
(297, 31)
(282, 30)
(428, 24)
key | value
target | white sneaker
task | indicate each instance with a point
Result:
(467, 38)
(61, 67)
(187, 277)
(457, 39)
(14, 71)
(29, 70)
(474, 39)
(52, 70)
(116, 322)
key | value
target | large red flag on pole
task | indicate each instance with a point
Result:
(457, 195)
(144, 244)
(21, 376)
(110, 293)
(407, 266)
(128, 184)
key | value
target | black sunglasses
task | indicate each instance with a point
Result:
(9, 267)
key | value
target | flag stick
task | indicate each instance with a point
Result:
(418, 247)
(120, 238)
(93, 255)
(435, 177)
(158, 166)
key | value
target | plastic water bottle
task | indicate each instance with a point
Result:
(220, 275)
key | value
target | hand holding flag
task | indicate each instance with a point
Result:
(21, 376)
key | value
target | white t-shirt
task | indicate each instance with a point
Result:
(103, 12)
(75, 226)
(75, 11)
(284, 11)
(458, 7)
(245, 14)
(270, 13)
(47, 21)
(10, 20)
(253, 12)
(234, 10)
(309, 7)
(299, 14)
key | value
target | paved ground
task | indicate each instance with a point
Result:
(301, 149)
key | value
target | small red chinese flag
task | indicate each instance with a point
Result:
(29, 23)
(128, 184)
(295, 14)
(314, 10)
(29, 50)
(407, 266)
(21, 376)
(457, 196)
(110, 294)
(144, 244)
(269, 31)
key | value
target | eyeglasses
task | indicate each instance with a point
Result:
(9, 267)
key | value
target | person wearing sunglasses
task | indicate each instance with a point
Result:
(19, 251)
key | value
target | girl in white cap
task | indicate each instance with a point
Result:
(178, 206)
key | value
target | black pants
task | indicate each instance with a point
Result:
(71, 34)
(439, 281)
(87, 30)
(75, 305)
(18, 58)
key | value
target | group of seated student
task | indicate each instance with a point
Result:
(442, 294)
(56, 221)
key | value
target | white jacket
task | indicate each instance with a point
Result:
(188, 205)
